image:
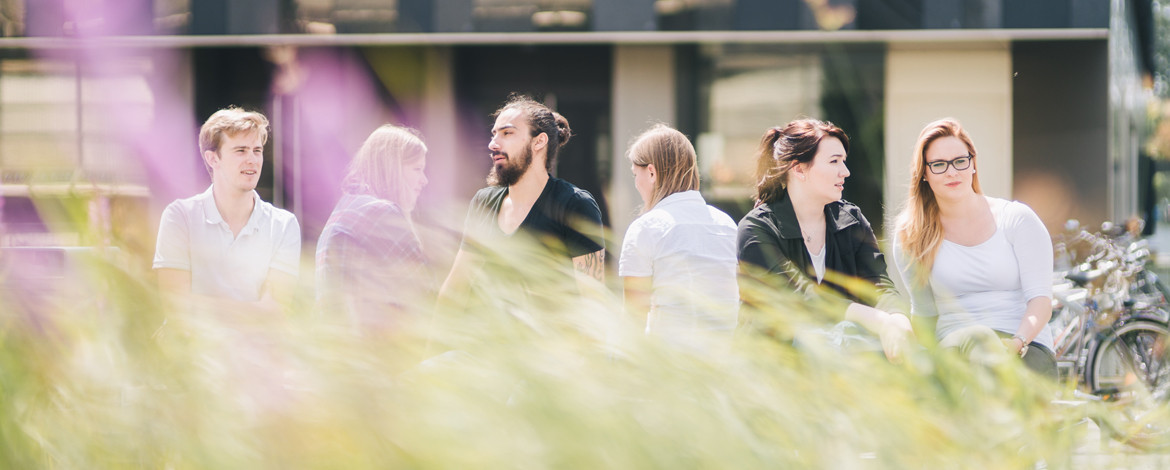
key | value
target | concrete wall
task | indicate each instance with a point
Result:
(643, 94)
(1060, 113)
(969, 82)
(438, 120)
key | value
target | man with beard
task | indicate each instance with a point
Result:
(528, 226)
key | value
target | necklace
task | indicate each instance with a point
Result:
(807, 238)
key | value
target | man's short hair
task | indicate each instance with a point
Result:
(231, 121)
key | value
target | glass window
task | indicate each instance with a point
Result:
(527, 15)
(387, 16)
(55, 121)
(63, 133)
(55, 19)
(694, 15)
(349, 16)
(11, 18)
(172, 16)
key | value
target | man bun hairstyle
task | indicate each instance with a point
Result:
(541, 119)
(564, 132)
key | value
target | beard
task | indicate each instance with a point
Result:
(510, 171)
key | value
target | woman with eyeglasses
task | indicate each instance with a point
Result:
(979, 268)
(801, 235)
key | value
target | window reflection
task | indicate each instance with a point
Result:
(688, 15)
(172, 16)
(542, 15)
(386, 16)
(350, 16)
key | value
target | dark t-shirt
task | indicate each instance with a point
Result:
(531, 268)
(564, 222)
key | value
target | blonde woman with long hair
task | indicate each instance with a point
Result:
(678, 258)
(979, 268)
(801, 235)
(370, 263)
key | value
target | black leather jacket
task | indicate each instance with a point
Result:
(770, 244)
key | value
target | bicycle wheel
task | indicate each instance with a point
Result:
(1135, 352)
(1130, 366)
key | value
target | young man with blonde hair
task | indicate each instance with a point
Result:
(226, 243)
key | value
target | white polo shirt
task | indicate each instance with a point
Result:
(193, 236)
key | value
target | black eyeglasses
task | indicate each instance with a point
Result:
(960, 163)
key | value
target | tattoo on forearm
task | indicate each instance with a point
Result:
(592, 264)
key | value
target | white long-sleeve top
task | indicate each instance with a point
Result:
(988, 284)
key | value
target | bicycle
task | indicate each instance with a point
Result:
(1112, 333)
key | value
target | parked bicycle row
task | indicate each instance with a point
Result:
(1111, 324)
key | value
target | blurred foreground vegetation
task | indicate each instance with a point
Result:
(98, 371)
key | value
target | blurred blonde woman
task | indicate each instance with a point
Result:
(370, 263)
(801, 230)
(678, 258)
(979, 268)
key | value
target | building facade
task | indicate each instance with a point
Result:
(109, 95)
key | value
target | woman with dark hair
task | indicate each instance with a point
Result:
(803, 236)
(370, 263)
(678, 258)
(979, 268)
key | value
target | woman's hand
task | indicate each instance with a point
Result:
(1014, 345)
(893, 329)
(896, 335)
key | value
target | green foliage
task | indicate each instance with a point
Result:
(1161, 56)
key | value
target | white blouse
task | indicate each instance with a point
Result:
(688, 249)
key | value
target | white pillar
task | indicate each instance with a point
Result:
(643, 94)
(438, 126)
